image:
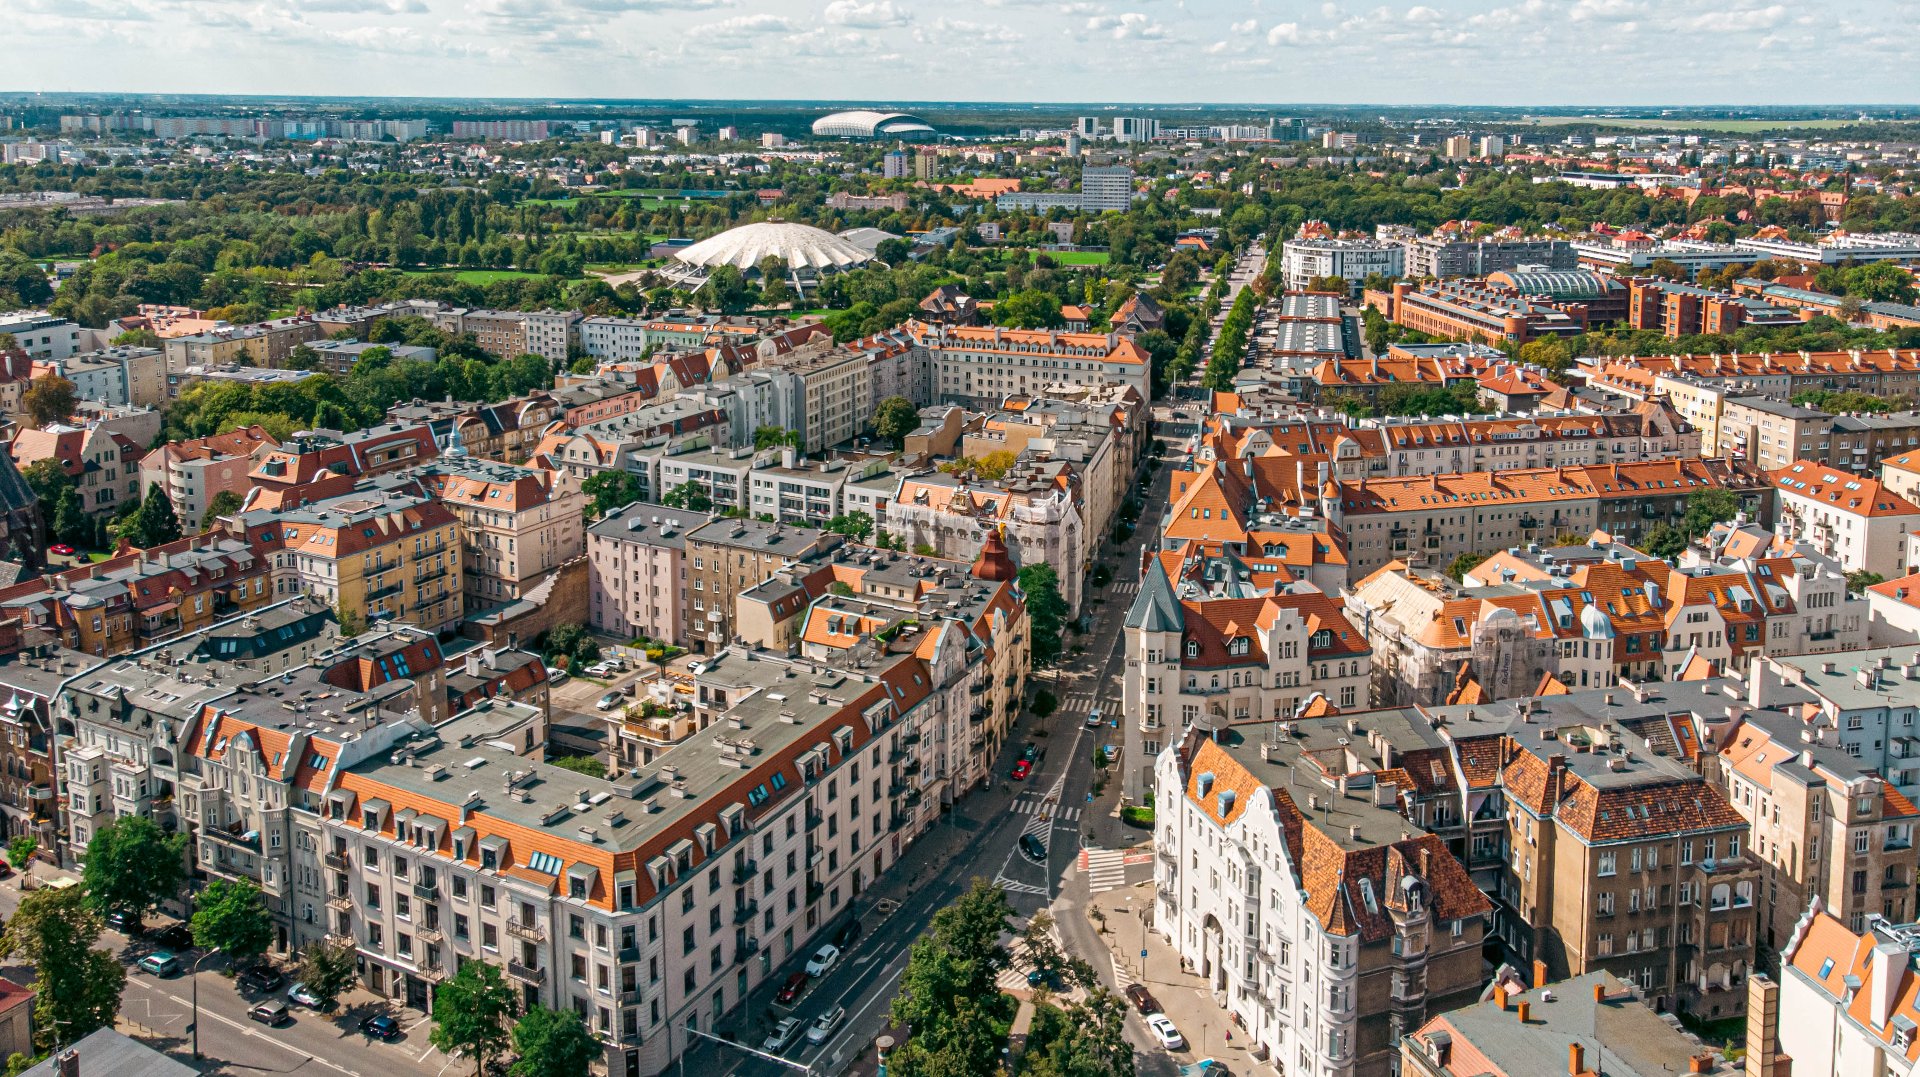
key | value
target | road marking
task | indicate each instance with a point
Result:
(245, 1031)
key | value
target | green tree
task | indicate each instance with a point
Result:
(1860, 579)
(132, 866)
(20, 851)
(328, 971)
(552, 1043)
(1708, 507)
(471, 1011)
(224, 503)
(231, 917)
(1037, 944)
(1464, 564)
(855, 525)
(1032, 309)
(948, 993)
(1046, 611)
(1663, 540)
(895, 418)
(48, 399)
(610, 489)
(155, 522)
(774, 437)
(1375, 330)
(76, 987)
(1551, 353)
(137, 338)
(1086, 1039)
(350, 621)
(689, 496)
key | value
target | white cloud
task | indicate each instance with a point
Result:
(1132, 24)
(743, 26)
(1247, 27)
(870, 15)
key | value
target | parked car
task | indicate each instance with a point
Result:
(1030, 752)
(557, 676)
(160, 963)
(790, 990)
(1163, 1030)
(301, 994)
(1046, 978)
(271, 1013)
(610, 701)
(846, 933)
(61, 548)
(823, 959)
(1033, 847)
(262, 978)
(1094, 720)
(6, 870)
(602, 669)
(174, 936)
(125, 923)
(783, 1035)
(1021, 770)
(381, 1027)
(1142, 999)
(822, 1028)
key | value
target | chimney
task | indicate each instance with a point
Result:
(1763, 1025)
(1576, 1060)
(1885, 962)
(1700, 1064)
(1539, 974)
(1599, 993)
(1526, 1011)
(1500, 997)
(69, 1063)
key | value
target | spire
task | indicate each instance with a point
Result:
(455, 446)
(995, 563)
(1156, 609)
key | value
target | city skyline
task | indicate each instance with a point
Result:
(1485, 52)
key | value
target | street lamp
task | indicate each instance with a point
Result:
(195, 974)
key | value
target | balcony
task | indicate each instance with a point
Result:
(387, 591)
(1166, 856)
(336, 861)
(745, 870)
(1168, 895)
(428, 577)
(235, 836)
(340, 903)
(527, 932)
(745, 911)
(340, 939)
(427, 891)
(528, 974)
(430, 935)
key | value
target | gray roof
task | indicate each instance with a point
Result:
(1156, 609)
(1622, 1036)
(650, 525)
(107, 1053)
(1782, 408)
(760, 536)
(1857, 680)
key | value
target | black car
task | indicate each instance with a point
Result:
(175, 936)
(1032, 847)
(845, 935)
(125, 923)
(262, 978)
(381, 1027)
(1142, 999)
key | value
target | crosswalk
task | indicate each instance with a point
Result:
(1030, 805)
(1106, 869)
(1015, 886)
(1123, 587)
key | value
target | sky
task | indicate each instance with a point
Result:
(1470, 52)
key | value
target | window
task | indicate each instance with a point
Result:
(1608, 864)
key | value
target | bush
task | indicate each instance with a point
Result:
(1099, 758)
(1044, 703)
(1137, 817)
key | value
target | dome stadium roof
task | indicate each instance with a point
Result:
(866, 123)
(800, 246)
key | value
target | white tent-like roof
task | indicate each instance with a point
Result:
(799, 246)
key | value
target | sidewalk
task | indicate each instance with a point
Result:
(1183, 996)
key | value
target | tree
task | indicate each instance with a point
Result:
(895, 418)
(1464, 564)
(328, 971)
(224, 503)
(1860, 579)
(230, 916)
(1037, 945)
(20, 851)
(470, 1013)
(350, 621)
(552, 1043)
(132, 866)
(689, 496)
(1086, 1039)
(1046, 611)
(1031, 309)
(774, 437)
(76, 987)
(610, 489)
(1552, 353)
(1706, 508)
(155, 522)
(855, 525)
(948, 993)
(48, 399)
(1663, 540)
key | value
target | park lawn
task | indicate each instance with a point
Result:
(1074, 258)
(480, 277)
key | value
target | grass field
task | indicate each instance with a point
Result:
(481, 277)
(1655, 123)
(1074, 258)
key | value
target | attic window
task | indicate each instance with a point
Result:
(1827, 967)
(1193, 648)
(544, 863)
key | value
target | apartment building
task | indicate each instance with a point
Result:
(1038, 511)
(500, 333)
(1449, 254)
(320, 463)
(265, 344)
(1850, 518)
(649, 901)
(1771, 433)
(1326, 923)
(339, 357)
(1844, 1002)
(103, 463)
(978, 366)
(506, 431)
(1472, 310)
(1864, 701)
(1822, 822)
(637, 572)
(517, 524)
(1889, 373)
(1678, 310)
(1216, 653)
(195, 472)
(1593, 1025)
(143, 597)
(1601, 845)
(835, 397)
(1440, 517)
(1303, 261)
(32, 672)
(41, 335)
(124, 375)
(730, 555)
(381, 553)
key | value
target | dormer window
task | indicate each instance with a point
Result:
(1193, 648)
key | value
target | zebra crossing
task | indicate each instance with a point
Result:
(1106, 869)
(1015, 886)
(1036, 807)
(1123, 587)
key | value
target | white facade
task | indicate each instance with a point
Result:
(1304, 260)
(41, 335)
(1850, 519)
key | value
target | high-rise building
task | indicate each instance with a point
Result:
(926, 165)
(1493, 146)
(1106, 187)
(1287, 129)
(1457, 146)
(1135, 129)
(894, 164)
